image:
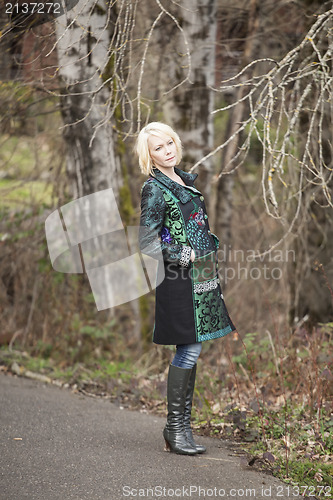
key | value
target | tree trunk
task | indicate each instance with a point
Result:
(224, 196)
(83, 43)
(311, 275)
(188, 108)
(6, 42)
(83, 52)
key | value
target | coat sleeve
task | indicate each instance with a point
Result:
(153, 208)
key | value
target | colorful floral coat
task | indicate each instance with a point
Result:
(189, 304)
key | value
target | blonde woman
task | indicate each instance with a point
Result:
(189, 307)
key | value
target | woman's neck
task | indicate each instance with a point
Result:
(170, 172)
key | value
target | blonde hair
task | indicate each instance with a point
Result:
(142, 150)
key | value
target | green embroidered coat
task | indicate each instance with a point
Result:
(189, 303)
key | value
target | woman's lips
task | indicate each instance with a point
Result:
(168, 159)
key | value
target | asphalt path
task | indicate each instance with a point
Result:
(60, 445)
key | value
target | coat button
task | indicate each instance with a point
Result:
(209, 232)
(201, 198)
(206, 216)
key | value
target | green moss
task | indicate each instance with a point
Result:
(125, 198)
(125, 203)
(108, 69)
(15, 194)
(99, 10)
(312, 478)
(16, 155)
(144, 307)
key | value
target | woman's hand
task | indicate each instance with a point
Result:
(192, 255)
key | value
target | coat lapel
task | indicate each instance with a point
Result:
(181, 192)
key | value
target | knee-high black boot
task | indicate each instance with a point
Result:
(188, 409)
(174, 432)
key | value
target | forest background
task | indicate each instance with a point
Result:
(248, 87)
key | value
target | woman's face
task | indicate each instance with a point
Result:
(163, 151)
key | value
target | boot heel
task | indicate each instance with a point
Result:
(167, 446)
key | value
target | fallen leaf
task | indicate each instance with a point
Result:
(268, 456)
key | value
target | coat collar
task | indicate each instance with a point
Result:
(181, 192)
